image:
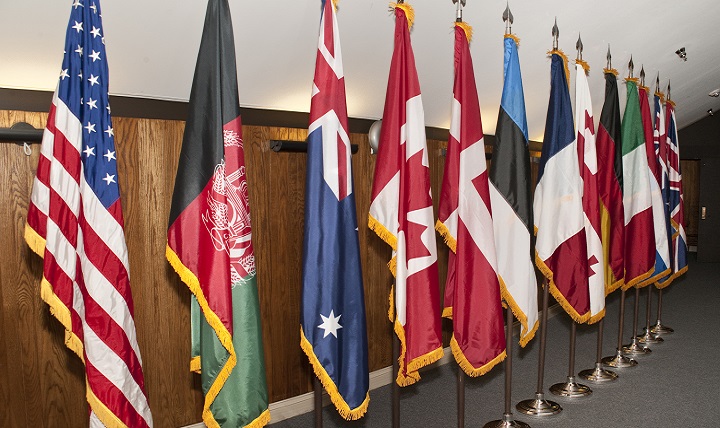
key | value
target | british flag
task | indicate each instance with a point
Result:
(675, 197)
(75, 223)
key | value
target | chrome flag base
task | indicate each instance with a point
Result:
(571, 389)
(598, 374)
(619, 361)
(661, 329)
(539, 406)
(649, 338)
(506, 422)
(635, 349)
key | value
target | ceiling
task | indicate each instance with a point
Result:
(152, 48)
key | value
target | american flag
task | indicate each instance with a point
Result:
(75, 223)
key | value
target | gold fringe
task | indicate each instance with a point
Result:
(597, 317)
(335, 4)
(614, 286)
(611, 71)
(260, 421)
(340, 404)
(447, 312)
(391, 308)
(62, 314)
(416, 364)
(195, 366)
(514, 37)
(445, 233)
(467, 366)
(467, 28)
(409, 12)
(564, 58)
(382, 232)
(654, 278)
(106, 416)
(574, 314)
(34, 241)
(661, 96)
(672, 103)
(635, 80)
(526, 333)
(584, 65)
(635, 281)
(661, 285)
(189, 278)
(645, 88)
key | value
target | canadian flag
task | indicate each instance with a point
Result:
(401, 211)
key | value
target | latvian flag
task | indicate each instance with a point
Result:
(662, 249)
(610, 178)
(332, 323)
(472, 290)
(587, 151)
(75, 223)
(401, 211)
(209, 241)
(675, 197)
(561, 246)
(511, 200)
(637, 200)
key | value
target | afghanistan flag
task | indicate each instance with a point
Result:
(472, 290)
(610, 179)
(675, 197)
(637, 201)
(401, 211)
(662, 249)
(332, 325)
(209, 237)
(587, 152)
(511, 200)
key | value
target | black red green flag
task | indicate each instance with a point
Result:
(209, 237)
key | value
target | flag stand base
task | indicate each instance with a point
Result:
(619, 361)
(661, 329)
(506, 422)
(570, 389)
(598, 374)
(649, 338)
(635, 349)
(539, 406)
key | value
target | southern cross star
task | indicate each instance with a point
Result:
(330, 324)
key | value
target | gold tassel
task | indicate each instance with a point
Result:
(672, 103)
(661, 96)
(611, 71)
(335, 4)
(340, 404)
(635, 80)
(409, 12)
(514, 37)
(467, 366)
(562, 55)
(584, 65)
(467, 28)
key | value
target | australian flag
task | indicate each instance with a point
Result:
(333, 332)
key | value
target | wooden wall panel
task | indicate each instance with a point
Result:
(43, 382)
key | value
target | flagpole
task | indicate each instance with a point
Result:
(507, 421)
(660, 328)
(395, 387)
(649, 337)
(539, 406)
(317, 395)
(599, 374)
(633, 348)
(619, 360)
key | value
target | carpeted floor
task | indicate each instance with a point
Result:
(677, 385)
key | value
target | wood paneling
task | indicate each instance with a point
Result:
(43, 382)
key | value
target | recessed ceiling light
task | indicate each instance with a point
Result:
(681, 53)
(715, 93)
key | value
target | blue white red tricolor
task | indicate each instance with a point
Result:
(332, 325)
(75, 222)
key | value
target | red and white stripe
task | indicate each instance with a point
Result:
(86, 280)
